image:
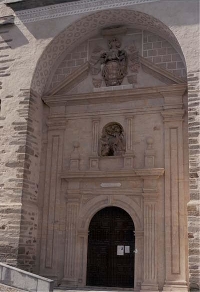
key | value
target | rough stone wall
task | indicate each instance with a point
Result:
(10, 178)
(194, 167)
(19, 215)
(31, 155)
(19, 150)
(161, 52)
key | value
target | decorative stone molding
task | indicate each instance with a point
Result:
(173, 115)
(147, 174)
(94, 163)
(90, 25)
(175, 205)
(75, 158)
(149, 159)
(56, 123)
(60, 10)
(100, 97)
(128, 161)
(95, 135)
(129, 134)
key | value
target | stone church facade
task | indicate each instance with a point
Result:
(99, 128)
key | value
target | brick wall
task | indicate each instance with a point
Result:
(160, 52)
(194, 168)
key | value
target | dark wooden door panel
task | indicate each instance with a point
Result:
(109, 228)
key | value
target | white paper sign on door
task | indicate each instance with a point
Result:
(127, 249)
(120, 250)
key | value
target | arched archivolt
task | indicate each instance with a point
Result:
(87, 27)
(100, 202)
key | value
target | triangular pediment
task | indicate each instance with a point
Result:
(80, 81)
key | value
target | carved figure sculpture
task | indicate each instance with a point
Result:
(134, 59)
(115, 63)
(112, 140)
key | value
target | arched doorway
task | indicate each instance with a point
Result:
(111, 244)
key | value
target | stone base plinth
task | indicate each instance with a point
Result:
(68, 283)
(149, 288)
(175, 288)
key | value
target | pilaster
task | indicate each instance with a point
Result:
(55, 140)
(94, 159)
(150, 194)
(175, 207)
(72, 208)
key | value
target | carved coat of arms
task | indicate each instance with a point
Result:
(114, 63)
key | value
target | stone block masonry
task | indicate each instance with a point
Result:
(194, 168)
(71, 62)
(161, 53)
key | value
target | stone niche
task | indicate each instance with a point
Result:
(122, 145)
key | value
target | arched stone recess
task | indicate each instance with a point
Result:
(86, 28)
(100, 202)
(85, 215)
(152, 119)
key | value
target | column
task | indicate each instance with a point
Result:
(175, 205)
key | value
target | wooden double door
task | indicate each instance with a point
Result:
(111, 244)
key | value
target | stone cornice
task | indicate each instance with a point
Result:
(109, 96)
(72, 8)
(170, 115)
(57, 123)
(122, 174)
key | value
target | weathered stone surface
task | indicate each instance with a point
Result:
(33, 210)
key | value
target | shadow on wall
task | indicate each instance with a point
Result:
(60, 18)
(12, 36)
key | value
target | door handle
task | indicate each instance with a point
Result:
(135, 251)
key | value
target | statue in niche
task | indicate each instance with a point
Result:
(112, 140)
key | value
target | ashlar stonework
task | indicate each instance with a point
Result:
(100, 110)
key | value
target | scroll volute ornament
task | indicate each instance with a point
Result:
(112, 142)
